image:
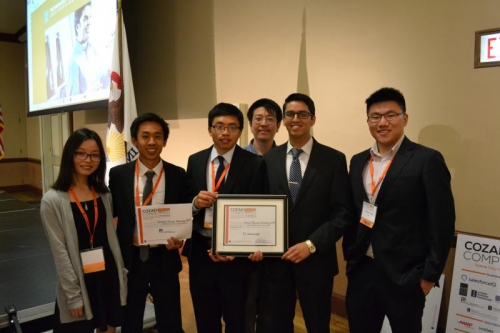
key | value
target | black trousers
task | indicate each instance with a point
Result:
(281, 284)
(218, 290)
(370, 298)
(163, 283)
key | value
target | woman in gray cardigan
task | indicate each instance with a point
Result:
(78, 220)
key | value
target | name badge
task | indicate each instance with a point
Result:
(368, 214)
(92, 260)
(209, 218)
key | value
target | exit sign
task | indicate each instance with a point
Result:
(487, 50)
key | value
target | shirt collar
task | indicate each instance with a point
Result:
(143, 169)
(227, 156)
(394, 150)
(305, 148)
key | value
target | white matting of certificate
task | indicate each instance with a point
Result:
(255, 225)
(248, 223)
(157, 223)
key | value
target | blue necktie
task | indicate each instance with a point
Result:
(295, 174)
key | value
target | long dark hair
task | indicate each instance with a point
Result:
(67, 169)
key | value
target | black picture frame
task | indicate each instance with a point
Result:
(237, 214)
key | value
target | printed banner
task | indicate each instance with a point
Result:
(475, 292)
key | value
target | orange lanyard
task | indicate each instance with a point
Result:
(137, 197)
(372, 172)
(85, 217)
(216, 187)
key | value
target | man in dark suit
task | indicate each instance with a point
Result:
(397, 249)
(319, 210)
(219, 284)
(152, 269)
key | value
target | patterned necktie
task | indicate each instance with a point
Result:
(148, 188)
(220, 170)
(295, 174)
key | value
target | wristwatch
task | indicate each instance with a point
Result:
(310, 246)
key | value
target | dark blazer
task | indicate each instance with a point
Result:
(322, 208)
(246, 176)
(415, 218)
(121, 184)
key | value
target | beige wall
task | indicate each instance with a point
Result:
(424, 48)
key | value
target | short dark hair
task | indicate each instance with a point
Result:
(384, 95)
(67, 168)
(225, 109)
(298, 97)
(79, 13)
(134, 128)
(269, 105)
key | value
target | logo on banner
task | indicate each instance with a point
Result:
(465, 323)
(480, 295)
(464, 289)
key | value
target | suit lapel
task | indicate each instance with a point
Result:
(168, 184)
(311, 169)
(129, 180)
(401, 159)
(202, 170)
(281, 171)
(234, 170)
(357, 170)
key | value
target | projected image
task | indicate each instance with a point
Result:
(85, 73)
(75, 38)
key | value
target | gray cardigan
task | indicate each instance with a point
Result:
(57, 219)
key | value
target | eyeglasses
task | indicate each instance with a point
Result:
(83, 156)
(260, 120)
(389, 116)
(231, 129)
(300, 114)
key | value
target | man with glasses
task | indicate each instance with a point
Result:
(264, 118)
(219, 284)
(405, 220)
(314, 177)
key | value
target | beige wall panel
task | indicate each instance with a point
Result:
(13, 174)
(424, 48)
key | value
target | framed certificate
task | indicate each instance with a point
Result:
(245, 223)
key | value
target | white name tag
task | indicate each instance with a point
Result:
(92, 260)
(368, 214)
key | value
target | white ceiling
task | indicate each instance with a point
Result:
(12, 16)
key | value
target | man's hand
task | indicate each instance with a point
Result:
(297, 253)
(174, 243)
(205, 199)
(218, 258)
(256, 256)
(426, 286)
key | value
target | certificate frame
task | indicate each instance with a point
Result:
(226, 223)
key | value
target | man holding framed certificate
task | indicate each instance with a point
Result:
(315, 179)
(219, 284)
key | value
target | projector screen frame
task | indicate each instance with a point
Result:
(54, 23)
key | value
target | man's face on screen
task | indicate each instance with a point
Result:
(84, 24)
